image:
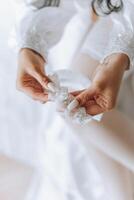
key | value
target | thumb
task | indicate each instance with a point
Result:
(81, 99)
(41, 78)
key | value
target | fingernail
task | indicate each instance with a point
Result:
(51, 86)
(74, 104)
(98, 117)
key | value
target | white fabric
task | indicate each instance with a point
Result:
(70, 172)
(39, 30)
(41, 37)
(59, 92)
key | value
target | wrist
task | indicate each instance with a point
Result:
(115, 63)
(111, 69)
(31, 58)
(119, 61)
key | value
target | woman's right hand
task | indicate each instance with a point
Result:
(31, 77)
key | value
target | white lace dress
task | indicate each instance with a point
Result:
(42, 29)
(70, 172)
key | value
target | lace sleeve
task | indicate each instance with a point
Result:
(30, 35)
(122, 42)
(39, 30)
(122, 35)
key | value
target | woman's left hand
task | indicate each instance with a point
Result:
(103, 92)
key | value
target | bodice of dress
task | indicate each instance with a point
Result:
(43, 28)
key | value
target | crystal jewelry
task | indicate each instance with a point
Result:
(66, 103)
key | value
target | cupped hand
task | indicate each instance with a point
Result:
(102, 95)
(31, 77)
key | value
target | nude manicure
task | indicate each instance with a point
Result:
(51, 86)
(74, 104)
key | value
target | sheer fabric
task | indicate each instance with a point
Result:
(69, 166)
(40, 31)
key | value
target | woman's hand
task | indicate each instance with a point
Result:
(31, 78)
(102, 94)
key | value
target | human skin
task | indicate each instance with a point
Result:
(109, 137)
(109, 142)
(114, 134)
(99, 97)
(31, 78)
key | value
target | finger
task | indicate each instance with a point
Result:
(94, 109)
(106, 102)
(76, 93)
(41, 78)
(85, 96)
(37, 96)
(74, 104)
(41, 97)
(81, 99)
